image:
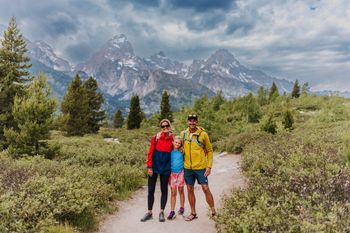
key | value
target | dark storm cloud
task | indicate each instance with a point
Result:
(205, 21)
(61, 24)
(203, 5)
(140, 3)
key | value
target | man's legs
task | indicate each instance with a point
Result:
(209, 198)
(191, 198)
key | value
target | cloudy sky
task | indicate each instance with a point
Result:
(307, 40)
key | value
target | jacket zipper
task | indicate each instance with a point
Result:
(190, 150)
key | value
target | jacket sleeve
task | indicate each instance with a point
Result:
(150, 152)
(209, 150)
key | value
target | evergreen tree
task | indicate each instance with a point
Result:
(95, 100)
(273, 92)
(217, 100)
(305, 89)
(296, 90)
(75, 106)
(33, 113)
(135, 115)
(201, 104)
(165, 111)
(262, 96)
(13, 74)
(251, 109)
(288, 120)
(118, 119)
(269, 125)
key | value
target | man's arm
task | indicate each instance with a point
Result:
(209, 150)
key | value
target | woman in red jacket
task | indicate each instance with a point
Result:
(158, 163)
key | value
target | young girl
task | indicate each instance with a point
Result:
(176, 180)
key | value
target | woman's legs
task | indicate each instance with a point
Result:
(152, 180)
(164, 190)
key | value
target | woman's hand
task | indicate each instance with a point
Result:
(150, 171)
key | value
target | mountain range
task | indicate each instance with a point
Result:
(120, 73)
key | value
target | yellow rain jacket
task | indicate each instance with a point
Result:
(198, 149)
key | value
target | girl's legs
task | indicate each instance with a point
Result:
(182, 197)
(173, 198)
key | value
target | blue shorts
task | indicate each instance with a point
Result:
(192, 175)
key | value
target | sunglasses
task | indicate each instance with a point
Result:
(164, 126)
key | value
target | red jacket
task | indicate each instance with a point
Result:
(164, 143)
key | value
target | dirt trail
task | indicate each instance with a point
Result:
(225, 175)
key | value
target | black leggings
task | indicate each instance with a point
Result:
(152, 180)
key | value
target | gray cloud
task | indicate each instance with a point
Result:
(205, 22)
(61, 24)
(290, 39)
(242, 22)
(79, 51)
(137, 3)
(203, 5)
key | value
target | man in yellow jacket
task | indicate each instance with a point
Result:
(198, 161)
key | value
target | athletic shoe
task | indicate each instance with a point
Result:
(171, 215)
(161, 217)
(181, 211)
(147, 216)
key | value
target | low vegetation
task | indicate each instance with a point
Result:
(298, 179)
(71, 190)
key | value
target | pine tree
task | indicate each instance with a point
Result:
(13, 74)
(288, 120)
(262, 96)
(165, 111)
(273, 92)
(305, 89)
(269, 125)
(95, 100)
(118, 119)
(296, 90)
(75, 106)
(135, 114)
(252, 109)
(33, 113)
(217, 100)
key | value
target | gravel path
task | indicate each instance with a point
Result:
(225, 175)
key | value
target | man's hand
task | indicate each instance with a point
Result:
(150, 171)
(207, 171)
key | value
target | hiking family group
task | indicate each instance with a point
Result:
(178, 160)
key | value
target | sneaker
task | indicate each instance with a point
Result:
(161, 217)
(147, 216)
(171, 215)
(181, 211)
